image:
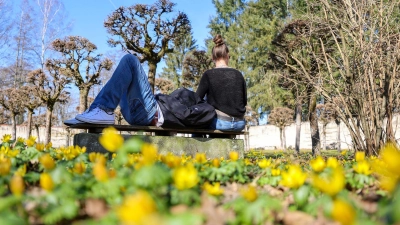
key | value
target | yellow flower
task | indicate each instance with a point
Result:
(17, 185)
(48, 145)
(5, 150)
(46, 182)
(213, 189)
(79, 168)
(331, 184)
(344, 152)
(250, 193)
(318, 164)
(200, 157)
(21, 171)
(13, 153)
(72, 152)
(275, 172)
(47, 161)
(216, 163)
(6, 138)
(294, 177)
(110, 139)
(391, 156)
(97, 157)
(360, 156)
(343, 212)
(5, 165)
(100, 171)
(149, 153)
(362, 167)
(171, 160)
(136, 209)
(264, 163)
(185, 177)
(387, 183)
(234, 156)
(332, 163)
(30, 141)
(39, 147)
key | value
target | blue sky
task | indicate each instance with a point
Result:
(88, 17)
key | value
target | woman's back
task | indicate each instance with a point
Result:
(225, 89)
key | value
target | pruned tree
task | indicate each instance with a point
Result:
(148, 31)
(291, 56)
(50, 88)
(194, 65)
(37, 122)
(281, 117)
(30, 102)
(79, 64)
(164, 86)
(10, 100)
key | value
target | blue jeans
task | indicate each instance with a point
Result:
(218, 124)
(129, 88)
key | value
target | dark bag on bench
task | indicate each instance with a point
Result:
(184, 108)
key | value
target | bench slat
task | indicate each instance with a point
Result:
(94, 128)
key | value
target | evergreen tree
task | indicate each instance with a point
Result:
(173, 69)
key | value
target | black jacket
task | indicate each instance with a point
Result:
(184, 108)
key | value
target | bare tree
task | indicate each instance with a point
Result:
(80, 65)
(147, 30)
(281, 117)
(6, 26)
(52, 23)
(50, 89)
(11, 101)
(355, 50)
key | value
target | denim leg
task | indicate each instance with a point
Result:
(218, 124)
(129, 88)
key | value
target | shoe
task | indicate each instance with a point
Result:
(97, 116)
(72, 121)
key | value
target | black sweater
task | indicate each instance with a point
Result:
(225, 89)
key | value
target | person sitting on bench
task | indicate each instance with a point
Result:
(223, 87)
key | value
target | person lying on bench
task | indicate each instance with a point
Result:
(223, 87)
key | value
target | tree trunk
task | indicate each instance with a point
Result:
(151, 76)
(14, 127)
(83, 99)
(29, 124)
(315, 139)
(49, 113)
(324, 136)
(37, 133)
(284, 138)
(298, 124)
(281, 137)
(338, 145)
(67, 136)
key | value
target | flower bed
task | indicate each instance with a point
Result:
(133, 184)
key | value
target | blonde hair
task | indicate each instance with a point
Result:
(220, 50)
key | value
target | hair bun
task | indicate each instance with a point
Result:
(218, 41)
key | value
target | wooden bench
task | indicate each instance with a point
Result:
(160, 131)
(216, 144)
